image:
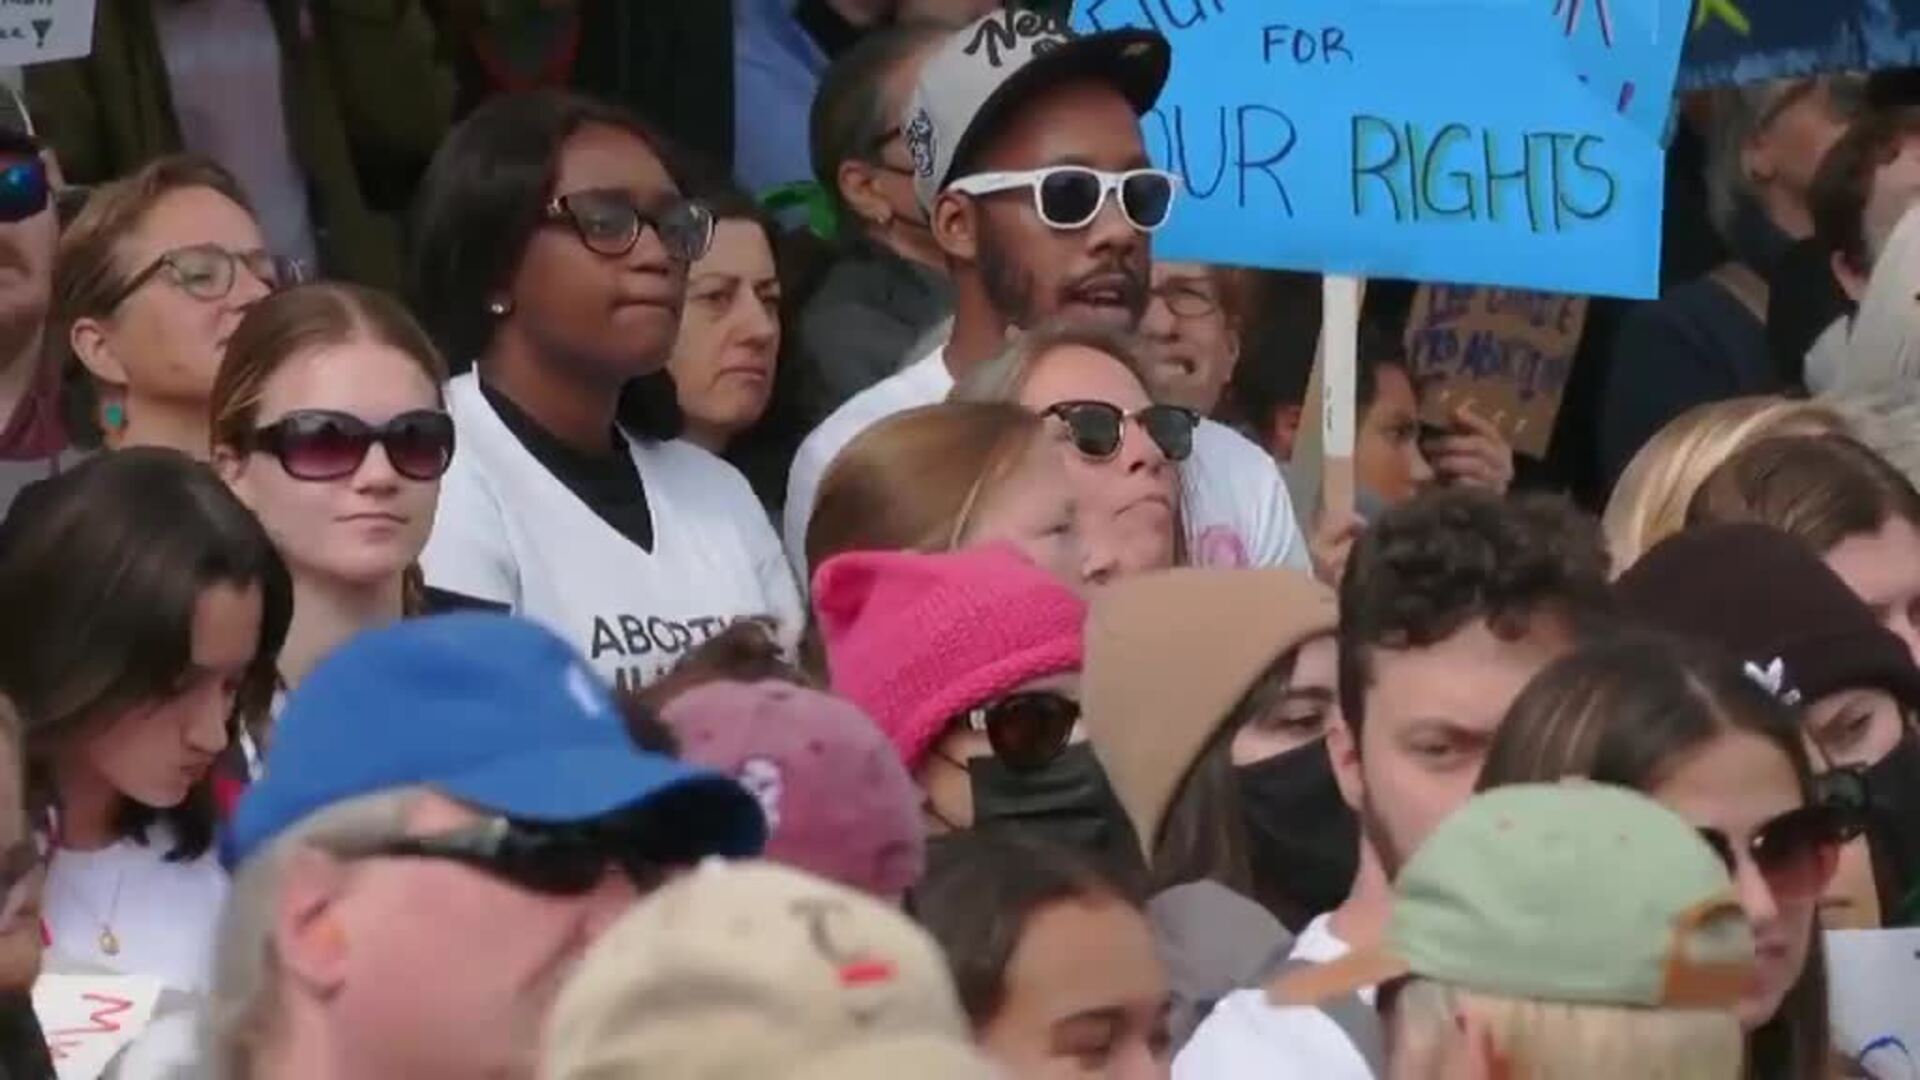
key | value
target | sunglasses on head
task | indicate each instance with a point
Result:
(1026, 730)
(610, 223)
(1797, 851)
(557, 860)
(24, 190)
(1098, 428)
(1070, 196)
(319, 444)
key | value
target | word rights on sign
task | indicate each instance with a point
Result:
(1491, 142)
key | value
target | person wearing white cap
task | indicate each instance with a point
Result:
(1028, 158)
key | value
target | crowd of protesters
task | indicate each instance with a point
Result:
(509, 571)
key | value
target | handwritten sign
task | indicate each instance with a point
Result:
(90, 1018)
(1491, 142)
(1505, 352)
(1876, 1015)
(39, 31)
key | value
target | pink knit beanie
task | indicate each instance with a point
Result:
(917, 640)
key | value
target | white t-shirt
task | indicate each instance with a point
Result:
(1237, 510)
(1246, 1037)
(162, 914)
(508, 531)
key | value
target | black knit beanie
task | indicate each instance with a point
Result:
(1764, 596)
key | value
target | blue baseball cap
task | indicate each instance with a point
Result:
(492, 711)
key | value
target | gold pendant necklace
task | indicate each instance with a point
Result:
(108, 942)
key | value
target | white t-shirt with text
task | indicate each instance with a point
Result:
(508, 531)
(1247, 1037)
(1237, 510)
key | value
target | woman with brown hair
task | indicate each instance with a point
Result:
(1857, 512)
(149, 283)
(142, 610)
(1688, 728)
(328, 424)
(942, 477)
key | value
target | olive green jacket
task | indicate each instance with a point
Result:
(367, 97)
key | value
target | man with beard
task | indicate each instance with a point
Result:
(32, 437)
(1451, 604)
(1026, 148)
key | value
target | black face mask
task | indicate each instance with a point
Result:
(1893, 792)
(1304, 840)
(1066, 803)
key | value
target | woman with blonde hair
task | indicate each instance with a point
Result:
(1158, 484)
(942, 477)
(1650, 502)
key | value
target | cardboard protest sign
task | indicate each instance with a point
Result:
(1481, 141)
(90, 1018)
(39, 31)
(1876, 1015)
(1506, 352)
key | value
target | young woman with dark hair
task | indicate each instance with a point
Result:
(1053, 958)
(328, 424)
(142, 611)
(1688, 727)
(552, 247)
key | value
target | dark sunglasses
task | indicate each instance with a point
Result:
(1796, 852)
(19, 866)
(1098, 428)
(610, 223)
(208, 271)
(24, 190)
(557, 860)
(319, 444)
(1069, 197)
(1026, 730)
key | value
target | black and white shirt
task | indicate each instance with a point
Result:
(635, 559)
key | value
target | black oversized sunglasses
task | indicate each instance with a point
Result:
(320, 444)
(557, 860)
(610, 223)
(1098, 428)
(1026, 730)
(1797, 851)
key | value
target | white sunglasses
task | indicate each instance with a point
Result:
(1070, 196)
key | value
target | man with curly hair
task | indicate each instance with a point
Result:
(1451, 603)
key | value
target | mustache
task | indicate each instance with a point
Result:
(1131, 283)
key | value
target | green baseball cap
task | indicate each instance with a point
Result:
(1577, 892)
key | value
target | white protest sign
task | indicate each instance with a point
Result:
(1876, 1014)
(90, 1018)
(40, 31)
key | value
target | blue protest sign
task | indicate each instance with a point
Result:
(1739, 41)
(1474, 141)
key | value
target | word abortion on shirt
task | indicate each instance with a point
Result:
(656, 643)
